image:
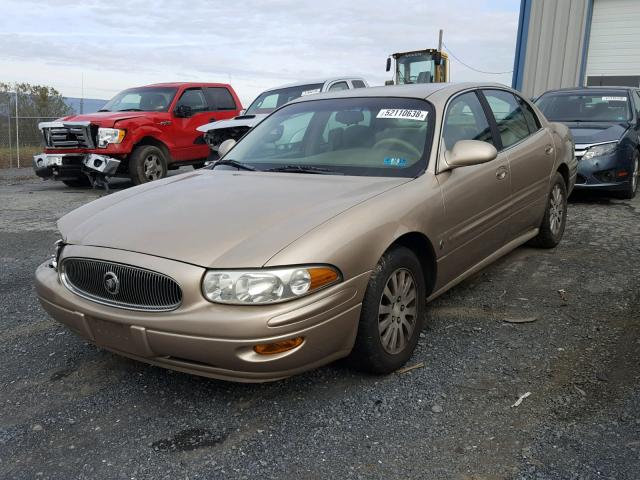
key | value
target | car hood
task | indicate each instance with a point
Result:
(239, 121)
(106, 119)
(218, 218)
(587, 133)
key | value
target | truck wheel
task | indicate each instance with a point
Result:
(147, 163)
(392, 313)
(79, 182)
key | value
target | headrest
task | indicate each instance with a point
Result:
(349, 117)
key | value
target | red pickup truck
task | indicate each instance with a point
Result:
(140, 133)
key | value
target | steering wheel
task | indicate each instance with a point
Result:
(397, 141)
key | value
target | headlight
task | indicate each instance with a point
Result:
(599, 150)
(109, 135)
(266, 286)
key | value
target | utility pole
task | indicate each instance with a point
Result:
(10, 140)
(82, 95)
(17, 130)
(440, 40)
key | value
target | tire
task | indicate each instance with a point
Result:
(555, 216)
(632, 188)
(79, 182)
(377, 348)
(147, 163)
(196, 166)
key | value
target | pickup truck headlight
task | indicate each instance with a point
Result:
(109, 135)
(251, 287)
(599, 150)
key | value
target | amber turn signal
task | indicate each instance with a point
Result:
(321, 276)
(278, 347)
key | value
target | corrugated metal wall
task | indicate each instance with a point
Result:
(614, 45)
(554, 45)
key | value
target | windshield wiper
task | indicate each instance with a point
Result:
(130, 110)
(303, 169)
(104, 110)
(234, 163)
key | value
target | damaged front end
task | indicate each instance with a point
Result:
(76, 164)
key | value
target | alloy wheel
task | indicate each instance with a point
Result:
(397, 311)
(556, 209)
(152, 167)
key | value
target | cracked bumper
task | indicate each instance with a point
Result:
(62, 166)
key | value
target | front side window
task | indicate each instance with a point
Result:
(465, 120)
(267, 102)
(512, 125)
(193, 98)
(145, 99)
(592, 106)
(346, 136)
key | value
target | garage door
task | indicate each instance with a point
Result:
(614, 43)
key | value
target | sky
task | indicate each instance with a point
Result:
(111, 45)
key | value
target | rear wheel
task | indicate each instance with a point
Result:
(78, 182)
(555, 216)
(632, 187)
(147, 163)
(392, 313)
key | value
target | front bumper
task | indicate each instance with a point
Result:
(603, 173)
(70, 166)
(209, 339)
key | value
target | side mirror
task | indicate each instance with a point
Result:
(388, 63)
(225, 146)
(470, 152)
(183, 111)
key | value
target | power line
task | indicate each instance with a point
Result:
(470, 67)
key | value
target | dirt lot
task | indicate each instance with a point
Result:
(70, 410)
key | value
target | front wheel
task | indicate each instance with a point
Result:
(147, 163)
(392, 313)
(632, 187)
(555, 216)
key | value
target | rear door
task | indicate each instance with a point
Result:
(531, 157)
(476, 198)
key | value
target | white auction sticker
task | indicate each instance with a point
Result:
(614, 99)
(419, 115)
(310, 92)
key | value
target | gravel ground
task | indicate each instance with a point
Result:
(73, 411)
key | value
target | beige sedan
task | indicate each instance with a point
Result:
(322, 234)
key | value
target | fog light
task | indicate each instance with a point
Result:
(278, 347)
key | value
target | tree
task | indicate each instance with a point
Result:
(34, 100)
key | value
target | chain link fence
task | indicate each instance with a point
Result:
(20, 139)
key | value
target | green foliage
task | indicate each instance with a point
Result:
(33, 100)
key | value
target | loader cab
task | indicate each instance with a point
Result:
(421, 66)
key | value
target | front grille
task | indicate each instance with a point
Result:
(67, 135)
(120, 285)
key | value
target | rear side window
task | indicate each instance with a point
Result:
(465, 120)
(338, 86)
(358, 84)
(194, 98)
(530, 116)
(219, 98)
(512, 125)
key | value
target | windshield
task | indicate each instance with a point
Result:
(145, 99)
(608, 106)
(416, 68)
(268, 101)
(381, 137)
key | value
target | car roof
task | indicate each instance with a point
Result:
(590, 88)
(315, 81)
(186, 84)
(421, 90)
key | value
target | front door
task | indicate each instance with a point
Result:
(476, 198)
(188, 141)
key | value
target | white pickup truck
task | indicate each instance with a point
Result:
(234, 128)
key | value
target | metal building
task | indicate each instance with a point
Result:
(568, 43)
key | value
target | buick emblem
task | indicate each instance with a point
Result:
(111, 283)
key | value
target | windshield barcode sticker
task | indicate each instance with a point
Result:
(310, 92)
(614, 99)
(419, 115)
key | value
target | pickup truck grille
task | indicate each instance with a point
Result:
(120, 285)
(67, 135)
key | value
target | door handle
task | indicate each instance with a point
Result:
(548, 149)
(501, 173)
